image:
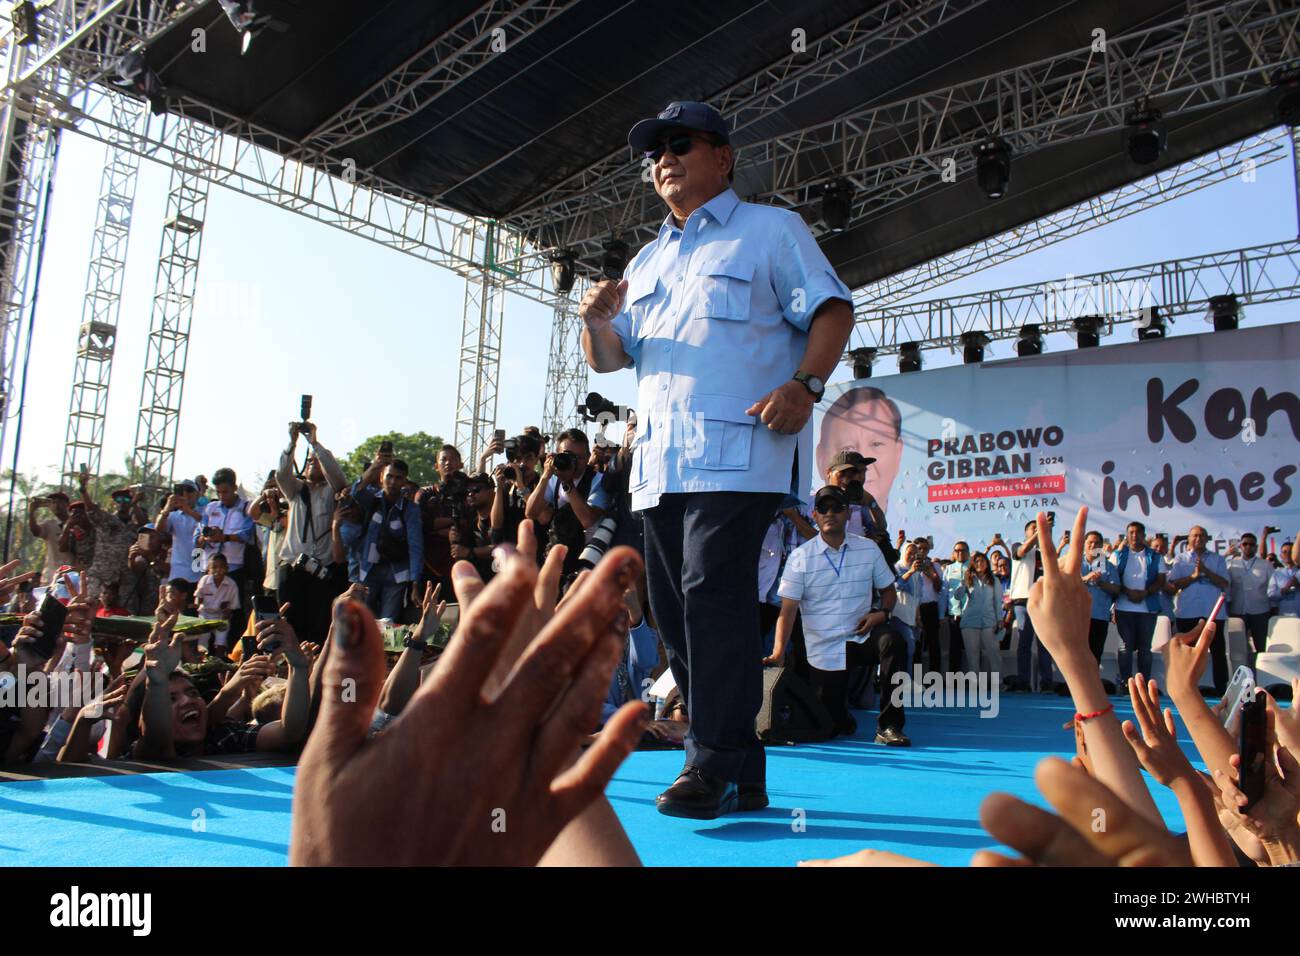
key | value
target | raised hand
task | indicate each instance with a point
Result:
(488, 775)
(1286, 720)
(1156, 746)
(1074, 839)
(8, 585)
(1272, 818)
(1186, 656)
(603, 301)
(431, 610)
(1059, 602)
(162, 653)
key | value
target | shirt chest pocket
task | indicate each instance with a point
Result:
(640, 297)
(721, 433)
(725, 286)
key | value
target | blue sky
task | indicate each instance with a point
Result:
(287, 306)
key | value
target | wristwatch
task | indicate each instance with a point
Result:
(414, 644)
(811, 382)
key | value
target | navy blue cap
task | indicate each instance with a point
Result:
(687, 114)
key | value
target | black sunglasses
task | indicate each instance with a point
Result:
(829, 506)
(679, 144)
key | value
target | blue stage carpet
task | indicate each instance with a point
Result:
(827, 800)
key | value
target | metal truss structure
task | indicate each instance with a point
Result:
(168, 345)
(434, 69)
(480, 335)
(1243, 159)
(27, 159)
(97, 338)
(566, 370)
(610, 197)
(1258, 274)
(893, 151)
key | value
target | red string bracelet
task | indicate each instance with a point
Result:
(1080, 718)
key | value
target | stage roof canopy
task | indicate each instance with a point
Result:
(535, 134)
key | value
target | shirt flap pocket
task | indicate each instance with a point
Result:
(641, 286)
(722, 408)
(731, 267)
(725, 287)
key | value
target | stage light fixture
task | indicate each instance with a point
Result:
(909, 357)
(972, 347)
(1224, 313)
(1030, 341)
(1144, 133)
(563, 272)
(837, 205)
(862, 359)
(1286, 88)
(23, 17)
(134, 74)
(993, 167)
(1087, 331)
(1152, 325)
(248, 23)
(614, 259)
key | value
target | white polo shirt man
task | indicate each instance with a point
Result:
(834, 589)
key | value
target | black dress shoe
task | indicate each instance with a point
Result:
(699, 796)
(893, 738)
(751, 796)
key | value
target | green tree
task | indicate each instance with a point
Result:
(419, 451)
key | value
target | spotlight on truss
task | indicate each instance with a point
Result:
(1224, 313)
(23, 18)
(563, 273)
(134, 74)
(909, 357)
(1144, 133)
(1087, 331)
(861, 360)
(248, 23)
(614, 259)
(993, 167)
(1030, 341)
(973, 345)
(837, 205)
(1152, 325)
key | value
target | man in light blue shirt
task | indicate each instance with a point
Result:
(1200, 577)
(733, 318)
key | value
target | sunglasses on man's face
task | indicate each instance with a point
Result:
(829, 506)
(679, 144)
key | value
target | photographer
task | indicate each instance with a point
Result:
(517, 476)
(270, 512)
(927, 619)
(569, 498)
(306, 584)
(471, 540)
(181, 519)
(50, 531)
(113, 538)
(442, 506)
(392, 552)
(345, 536)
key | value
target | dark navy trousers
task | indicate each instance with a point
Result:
(701, 552)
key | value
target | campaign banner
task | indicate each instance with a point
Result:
(1192, 430)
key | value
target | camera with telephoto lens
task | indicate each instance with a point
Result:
(599, 543)
(304, 409)
(316, 568)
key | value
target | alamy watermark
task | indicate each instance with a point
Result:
(978, 689)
